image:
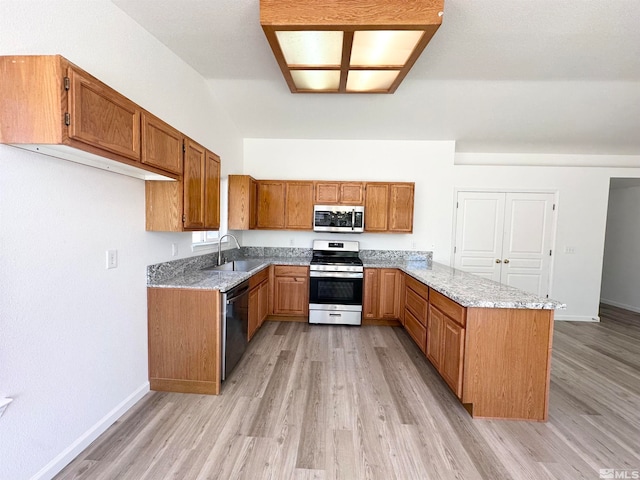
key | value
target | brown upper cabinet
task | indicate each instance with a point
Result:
(389, 207)
(47, 101)
(193, 203)
(271, 204)
(161, 144)
(284, 205)
(299, 206)
(339, 193)
(288, 204)
(243, 194)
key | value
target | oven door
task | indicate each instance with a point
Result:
(335, 289)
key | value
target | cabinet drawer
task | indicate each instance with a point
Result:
(418, 287)
(417, 331)
(290, 271)
(258, 278)
(447, 306)
(416, 305)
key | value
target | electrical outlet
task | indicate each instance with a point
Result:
(570, 250)
(291, 242)
(112, 259)
(174, 249)
(4, 403)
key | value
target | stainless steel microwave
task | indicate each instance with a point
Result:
(338, 218)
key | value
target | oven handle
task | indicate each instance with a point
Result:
(336, 274)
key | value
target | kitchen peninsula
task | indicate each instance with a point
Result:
(490, 343)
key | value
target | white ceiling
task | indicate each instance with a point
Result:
(547, 76)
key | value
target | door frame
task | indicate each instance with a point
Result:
(554, 226)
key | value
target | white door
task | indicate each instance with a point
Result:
(479, 232)
(506, 237)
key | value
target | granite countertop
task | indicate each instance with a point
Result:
(467, 289)
(202, 279)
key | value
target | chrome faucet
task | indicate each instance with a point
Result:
(220, 246)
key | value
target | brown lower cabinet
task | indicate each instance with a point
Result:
(184, 340)
(497, 361)
(290, 286)
(258, 301)
(381, 293)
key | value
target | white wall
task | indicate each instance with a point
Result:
(621, 268)
(582, 194)
(73, 348)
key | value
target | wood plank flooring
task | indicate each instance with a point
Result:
(336, 402)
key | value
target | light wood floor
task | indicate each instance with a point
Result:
(330, 402)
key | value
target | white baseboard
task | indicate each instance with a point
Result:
(575, 318)
(620, 305)
(72, 451)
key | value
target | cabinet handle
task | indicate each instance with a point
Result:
(498, 260)
(506, 260)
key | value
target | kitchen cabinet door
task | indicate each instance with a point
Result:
(381, 295)
(435, 324)
(212, 191)
(271, 204)
(299, 206)
(401, 207)
(352, 193)
(101, 117)
(254, 312)
(452, 354)
(390, 283)
(327, 193)
(162, 144)
(194, 185)
(376, 207)
(371, 292)
(291, 290)
(263, 302)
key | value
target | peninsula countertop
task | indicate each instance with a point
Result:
(467, 289)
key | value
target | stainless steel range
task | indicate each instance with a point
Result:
(335, 291)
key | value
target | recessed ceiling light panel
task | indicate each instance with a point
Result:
(311, 48)
(378, 48)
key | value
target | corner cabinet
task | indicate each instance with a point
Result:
(381, 294)
(192, 203)
(389, 207)
(242, 202)
(48, 105)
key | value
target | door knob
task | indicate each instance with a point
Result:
(498, 260)
(506, 260)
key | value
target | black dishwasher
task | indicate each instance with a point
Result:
(235, 326)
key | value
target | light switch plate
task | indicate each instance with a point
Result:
(112, 259)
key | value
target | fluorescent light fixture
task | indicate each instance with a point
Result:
(311, 48)
(371, 80)
(344, 46)
(316, 80)
(377, 48)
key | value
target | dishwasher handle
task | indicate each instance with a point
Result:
(235, 295)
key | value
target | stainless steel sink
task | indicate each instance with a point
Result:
(236, 266)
